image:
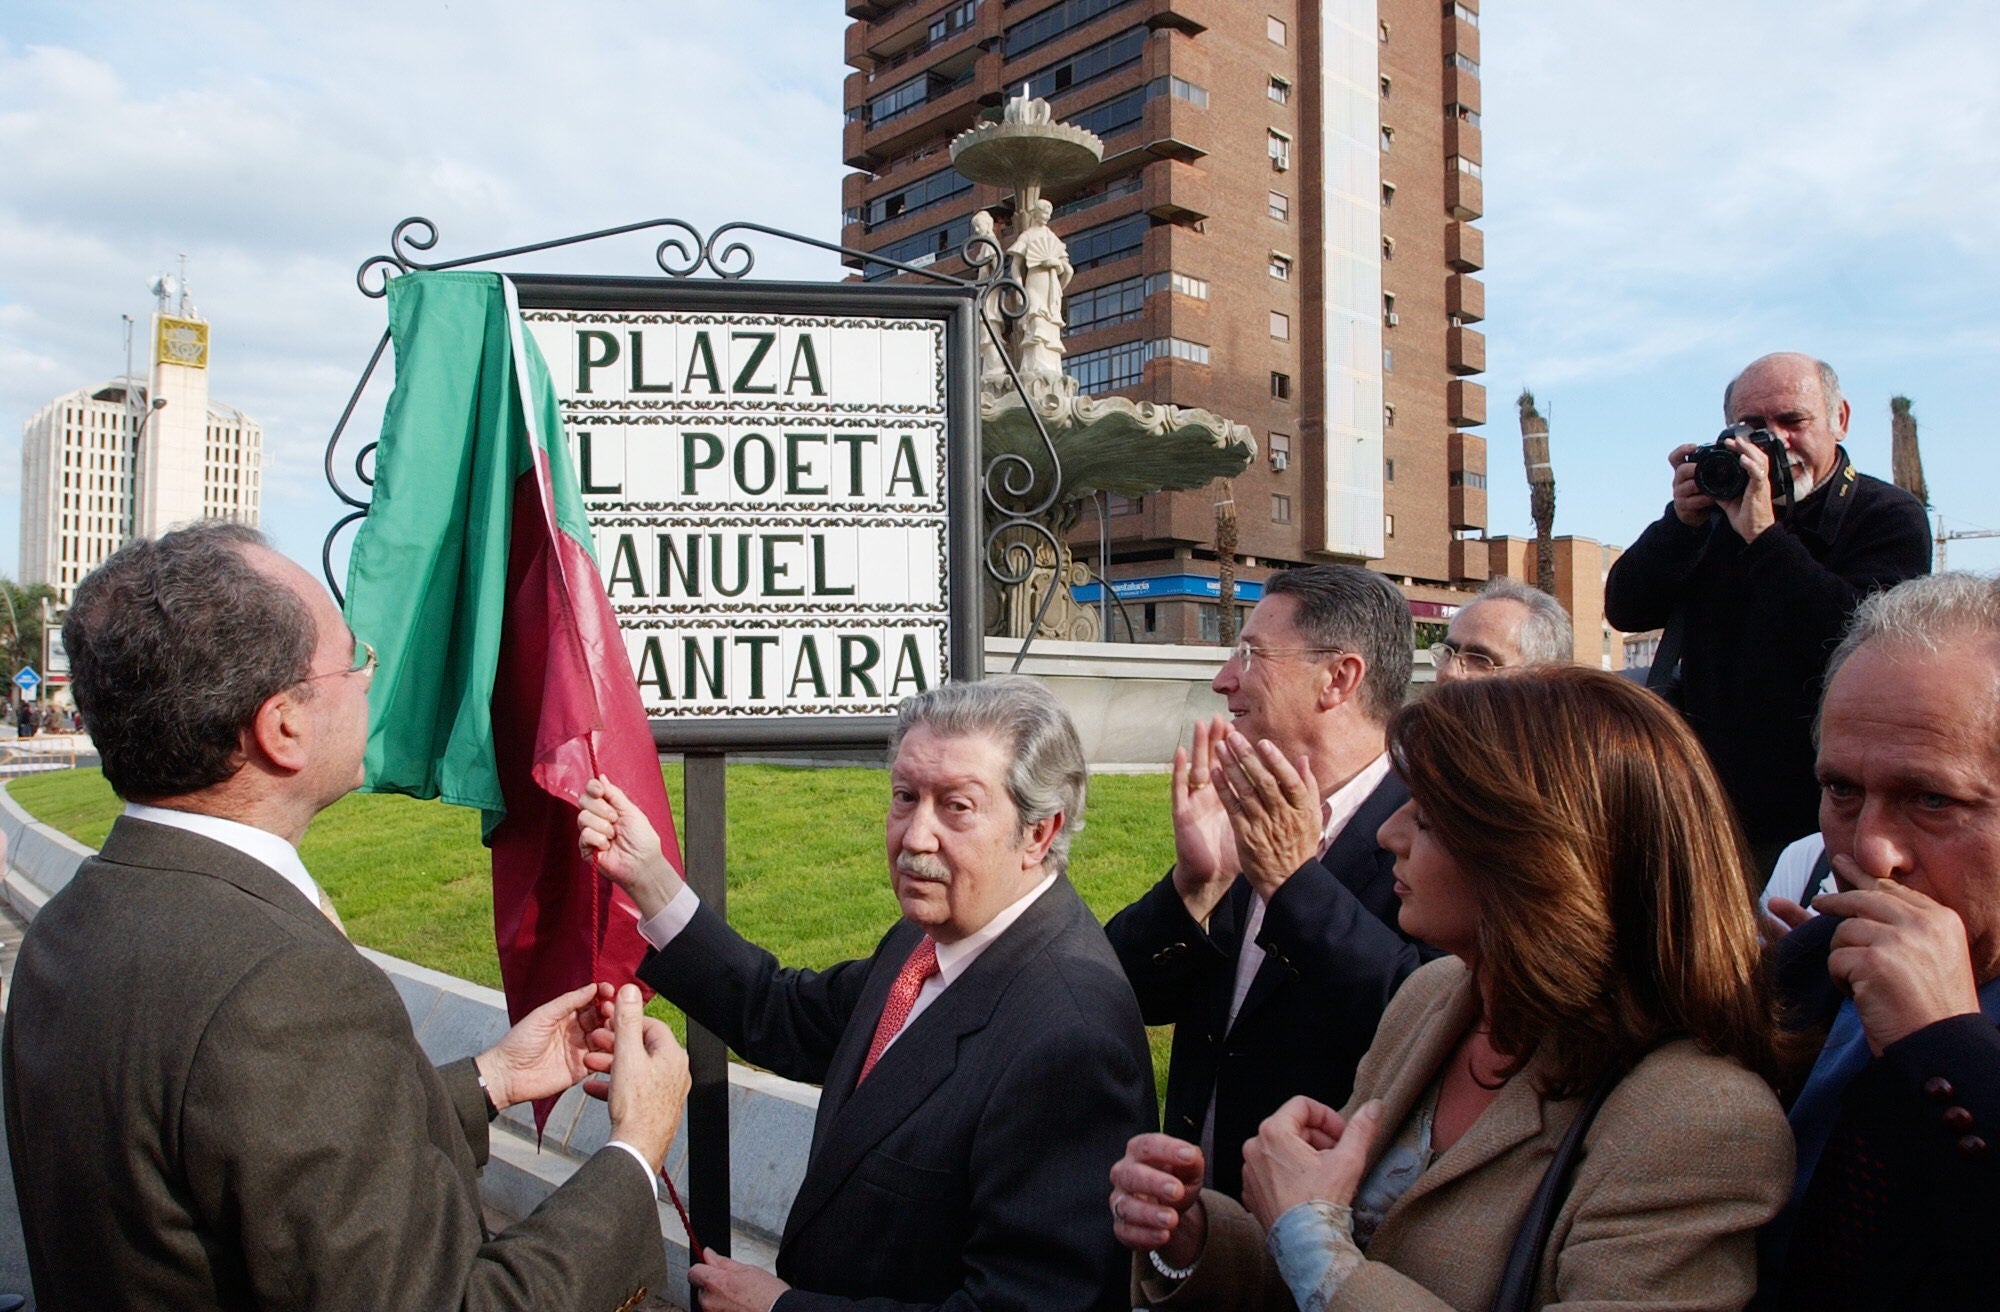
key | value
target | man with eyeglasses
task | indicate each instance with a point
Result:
(1271, 946)
(1508, 626)
(213, 1100)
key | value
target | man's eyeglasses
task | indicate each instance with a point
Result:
(1246, 655)
(1473, 662)
(363, 664)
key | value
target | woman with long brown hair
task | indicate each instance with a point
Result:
(1568, 845)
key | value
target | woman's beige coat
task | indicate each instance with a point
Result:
(1687, 1158)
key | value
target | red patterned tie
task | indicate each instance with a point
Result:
(902, 996)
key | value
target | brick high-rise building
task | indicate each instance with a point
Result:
(1280, 232)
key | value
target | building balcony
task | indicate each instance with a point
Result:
(1461, 88)
(867, 11)
(1190, 16)
(1460, 37)
(1174, 192)
(1464, 247)
(885, 48)
(1464, 197)
(1469, 555)
(1465, 403)
(1462, 138)
(1465, 350)
(1464, 298)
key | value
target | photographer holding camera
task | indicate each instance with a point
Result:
(1770, 542)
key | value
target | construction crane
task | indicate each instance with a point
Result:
(1957, 535)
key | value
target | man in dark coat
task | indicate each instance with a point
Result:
(1754, 595)
(979, 1073)
(1898, 1124)
(1271, 945)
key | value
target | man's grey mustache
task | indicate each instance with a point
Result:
(922, 865)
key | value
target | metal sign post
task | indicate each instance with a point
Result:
(792, 513)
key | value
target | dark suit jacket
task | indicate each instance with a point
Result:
(1940, 1248)
(214, 1102)
(971, 1169)
(1333, 959)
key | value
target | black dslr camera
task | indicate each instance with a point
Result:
(1719, 472)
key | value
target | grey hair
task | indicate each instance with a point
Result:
(1546, 636)
(1829, 384)
(1046, 774)
(1924, 613)
(173, 645)
(1355, 610)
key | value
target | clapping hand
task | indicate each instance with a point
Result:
(1205, 862)
(1305, 1151)
(1156, 1198)
(1273, 807)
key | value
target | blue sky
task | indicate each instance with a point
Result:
(1671, 190)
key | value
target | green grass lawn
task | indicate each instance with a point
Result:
(807, 876)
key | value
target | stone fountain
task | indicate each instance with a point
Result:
(1102, 444)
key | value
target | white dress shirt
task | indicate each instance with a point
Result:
(954, 959)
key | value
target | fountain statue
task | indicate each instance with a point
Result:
(1102, 444)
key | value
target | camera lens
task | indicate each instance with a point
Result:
(1718, 472)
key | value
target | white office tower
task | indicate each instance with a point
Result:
(132, 458)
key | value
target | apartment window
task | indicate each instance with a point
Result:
(1388, 360)
(1108, 241)
(1124, 186)
(1279, 90)
(1113, 367)
(1117, 505)
(1281, 385)
(1182, 89)
(1387, 83)
(1462, 13)
(1389, 525)
(1151, 613)
(1180, 283)
(1389, 309)
(1280, 147)
(1388, 138)
(1388, 471)
(1463, 113)
(1464, 478)
(1388, 415)
(935, 189)
(1388, 248)
(1055, 21)
(1100, 60)
(1458, 61)
(1281, 508)
(1281, 325)
(1388, 194)
(1275, 29)
(1281, 450)
(1110, 117)
(1383, 30)
(954, 20)
(1280, 207)
(1464, 165)
(1101, 307)
(1281, 267)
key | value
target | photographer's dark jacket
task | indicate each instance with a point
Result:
(1762, 618)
